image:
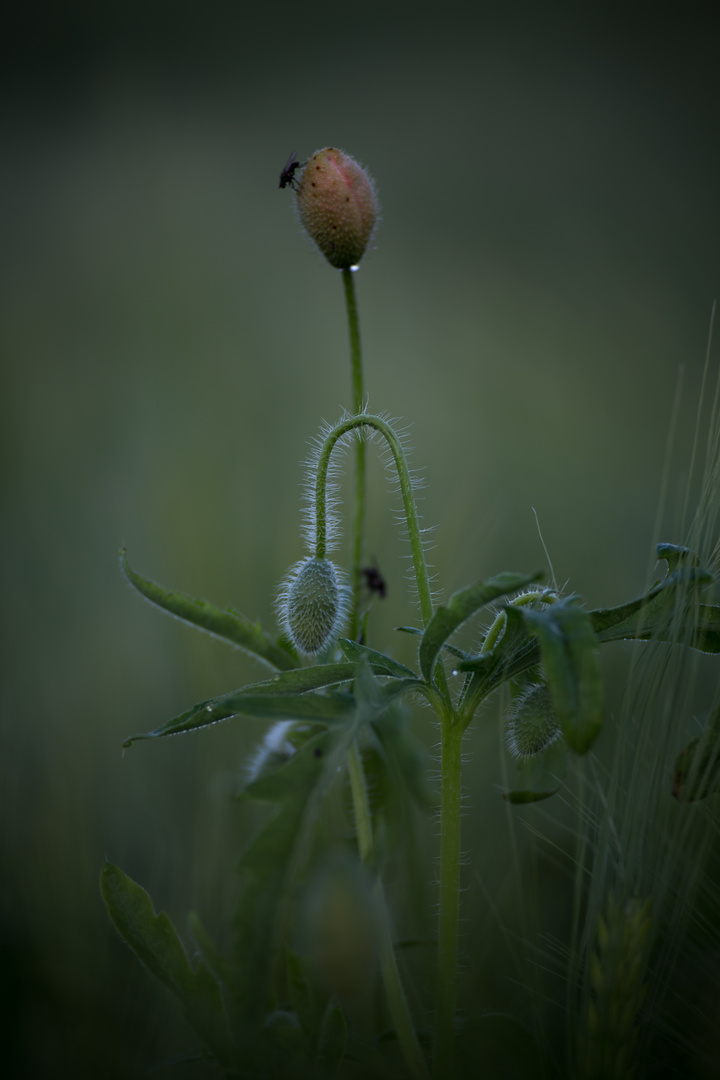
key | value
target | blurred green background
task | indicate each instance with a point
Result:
(545, 267)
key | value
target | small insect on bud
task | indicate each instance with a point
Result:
(287, 176)
(531, 725)
(312, 604)
(337, 206)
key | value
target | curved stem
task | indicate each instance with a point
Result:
(413, 526)
(358, 397)
(397, 1002)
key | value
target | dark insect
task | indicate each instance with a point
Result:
(374, 581)
(287, 176)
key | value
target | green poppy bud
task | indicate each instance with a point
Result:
(312, 604)
(531, 723)
(337, 206)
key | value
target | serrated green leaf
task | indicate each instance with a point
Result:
(460, 607)
(156, 943)
(569, 651)
(287, 696)
(327, 708)
(540, 776)
(331, 1042)
(229, 625)
(666, 612)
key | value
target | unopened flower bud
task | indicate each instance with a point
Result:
(531, 724)
(337, 205)
(312, 604)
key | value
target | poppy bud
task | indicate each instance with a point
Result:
(312, 604)
(531, 724)
(337, 206)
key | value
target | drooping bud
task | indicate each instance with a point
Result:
(337, 205)
(312, 604)
(531, 724)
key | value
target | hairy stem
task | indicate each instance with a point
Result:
(397, 1002)
(358, 397)
(449, 897)
(406, 491)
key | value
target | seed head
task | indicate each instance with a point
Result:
(337, 205)
(312, 604)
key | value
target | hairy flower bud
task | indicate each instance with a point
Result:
(531, 723)
(337, 205)
(312, 604)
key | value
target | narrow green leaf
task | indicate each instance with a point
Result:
(286, 696)
(326, 708)
(569, 650)
(665, 613)
(155, 942)
(228, 625)
(380, 663)
(331, 1042)
(460, 607)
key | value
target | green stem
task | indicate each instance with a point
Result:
(406, 491)
(395, 994)
(358, 391)
(358, 397)
(397, 1002)
(449, 897)
(361, 809)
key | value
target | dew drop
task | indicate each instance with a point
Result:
(354, 268)
(455, 672)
